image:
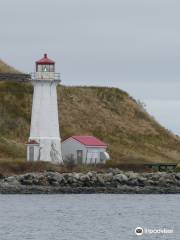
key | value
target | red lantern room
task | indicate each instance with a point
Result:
(45, 64)
(45, 70)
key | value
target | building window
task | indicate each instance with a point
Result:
(45, 68)
(51, 68)
(79, 156)
(39, 68)
(102, 157)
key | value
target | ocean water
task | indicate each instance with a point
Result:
(88, 217)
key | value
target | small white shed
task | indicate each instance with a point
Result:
(84, 150)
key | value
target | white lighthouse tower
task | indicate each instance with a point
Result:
(44, 142)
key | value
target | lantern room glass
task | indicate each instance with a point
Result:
(45, 68)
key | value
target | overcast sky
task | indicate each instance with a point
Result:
(130, 44)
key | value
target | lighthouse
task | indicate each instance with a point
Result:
(44, 142)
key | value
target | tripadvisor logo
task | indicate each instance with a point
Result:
(139, 231)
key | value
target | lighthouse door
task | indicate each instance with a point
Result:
(31, 153)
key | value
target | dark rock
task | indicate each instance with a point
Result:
(133, 182)
(177, 176)
(122, 178)
(1, 176)
(85, 178)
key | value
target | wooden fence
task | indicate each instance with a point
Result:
(15, 77)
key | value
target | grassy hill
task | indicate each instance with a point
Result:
(5, 68)
(108, 113)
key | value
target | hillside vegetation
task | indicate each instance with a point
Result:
(5, 68)
(111, 114)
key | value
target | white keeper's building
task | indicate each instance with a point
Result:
(84, 150)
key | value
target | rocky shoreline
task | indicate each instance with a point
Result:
(111, 181)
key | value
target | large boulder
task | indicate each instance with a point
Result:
(13, 180)
(121, 178)
(85, 178)
(54, 178)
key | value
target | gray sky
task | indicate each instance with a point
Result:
(130, 44)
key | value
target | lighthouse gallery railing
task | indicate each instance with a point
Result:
(46, 76)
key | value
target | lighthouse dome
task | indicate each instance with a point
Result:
(45, 60)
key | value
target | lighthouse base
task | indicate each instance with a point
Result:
(44, 149)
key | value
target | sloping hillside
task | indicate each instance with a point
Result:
(108, 113)
(115, 117)
(5, 68)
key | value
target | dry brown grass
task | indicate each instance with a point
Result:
(9, 167)
(5, 68)
(112, 115)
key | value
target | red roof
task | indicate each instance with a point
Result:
(33, 142)
(45, 60)
(90, 141)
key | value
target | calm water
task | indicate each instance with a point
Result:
(87, 217)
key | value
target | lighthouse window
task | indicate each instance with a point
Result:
(45, 68)
(39, 68)
(51, 68)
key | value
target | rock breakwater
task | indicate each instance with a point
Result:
(110, 181)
